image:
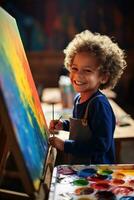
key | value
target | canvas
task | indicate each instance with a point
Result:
(21, 99)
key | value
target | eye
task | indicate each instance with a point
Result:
(74, 68)
(87, 70)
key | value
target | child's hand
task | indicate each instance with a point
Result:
(57, 143)
(55, 125)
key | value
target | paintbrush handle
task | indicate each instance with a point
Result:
(60, 118)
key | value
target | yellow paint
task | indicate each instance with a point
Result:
(127, 172)
(30, 119)
(118, 175)
(19, 65)
(36, 184)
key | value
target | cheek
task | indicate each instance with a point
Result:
(92, 80)
(71, 77)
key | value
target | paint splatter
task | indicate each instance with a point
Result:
(122, 190)
(80, 182)
(84, 191)
(105, 195)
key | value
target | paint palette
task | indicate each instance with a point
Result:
(94, 182)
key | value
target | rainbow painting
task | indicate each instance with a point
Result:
(21, 99)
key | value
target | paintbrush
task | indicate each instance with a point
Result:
(52, 111)
(59, 118)
(53, 118)
(56, 122)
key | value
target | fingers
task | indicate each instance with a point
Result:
(55, 124)
(58, 125)
(57, 143)
(52, 124)
(51, 141)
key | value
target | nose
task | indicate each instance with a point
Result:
(79, 74)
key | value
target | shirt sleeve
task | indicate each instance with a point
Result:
(102, 124)
(66, 125)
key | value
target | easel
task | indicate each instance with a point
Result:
(22, 176)
(15, 182)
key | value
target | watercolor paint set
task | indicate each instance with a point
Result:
(94, 182)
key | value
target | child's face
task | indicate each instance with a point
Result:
(84, 73)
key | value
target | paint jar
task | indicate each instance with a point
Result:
(67, 91)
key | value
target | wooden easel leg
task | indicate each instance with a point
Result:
(3, 152)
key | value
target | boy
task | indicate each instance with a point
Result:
(94, 62)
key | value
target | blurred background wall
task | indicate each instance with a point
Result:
(51, 24)
(46, 27)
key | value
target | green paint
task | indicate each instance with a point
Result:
(105, 172)
(80, 182)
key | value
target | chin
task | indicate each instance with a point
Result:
(79, 91)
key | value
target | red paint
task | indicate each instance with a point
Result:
(101, 185)
(117, 181)
(96, 178)
(131, 182)
(122, 190)
(84, 191)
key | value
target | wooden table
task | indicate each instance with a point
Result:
(124, 129)
(125, 124)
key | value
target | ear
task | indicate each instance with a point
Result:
(104, 78)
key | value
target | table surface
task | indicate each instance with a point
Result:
(125, 124)
(124, 128)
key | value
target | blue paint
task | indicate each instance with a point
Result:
(86, 172)
(127, 198)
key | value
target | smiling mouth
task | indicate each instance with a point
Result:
(79, 83)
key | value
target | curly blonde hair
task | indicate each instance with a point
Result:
(111, 57)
